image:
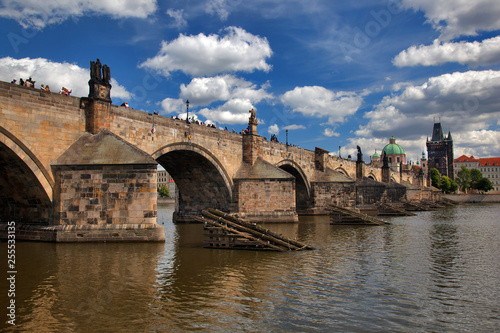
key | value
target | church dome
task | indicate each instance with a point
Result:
(393, 148)
(376, 155)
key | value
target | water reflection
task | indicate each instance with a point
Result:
(437, 271)
(84, 287)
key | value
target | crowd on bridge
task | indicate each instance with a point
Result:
(30, 83)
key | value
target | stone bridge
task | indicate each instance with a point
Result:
(82, 169)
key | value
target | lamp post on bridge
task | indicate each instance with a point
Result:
(187, 110)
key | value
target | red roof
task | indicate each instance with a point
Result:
(465, 158)
(492, 161)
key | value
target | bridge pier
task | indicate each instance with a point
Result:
(105, 190)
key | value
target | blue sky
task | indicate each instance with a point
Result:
(334, 73)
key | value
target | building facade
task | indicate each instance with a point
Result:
(440, 152)
(489, 167)
(396, 155)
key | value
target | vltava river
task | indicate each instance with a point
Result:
(435, 272)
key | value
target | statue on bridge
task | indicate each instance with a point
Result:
(252, 119)
(252, 123)
(360, 154)
(95, 72)
(99, 81)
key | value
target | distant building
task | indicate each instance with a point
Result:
(489, 167)
(163, 178)
(440, 152)
(395, 154)
(376, 159)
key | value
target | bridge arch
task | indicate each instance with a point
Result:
(343, 171)
(372, 176)
(200, 177)
(26, 187)
(302, 185)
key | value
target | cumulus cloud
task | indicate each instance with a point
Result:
(274, 129)
(202, 55)
(54, 74)
(473, 53)
(315, 101)
(38, 14)
(173, 105)
(330, 132)
(294, 127)
(463, 102)
(204, 91)
(234, 111)
(458, 18)
(219, 8)
(178, 16)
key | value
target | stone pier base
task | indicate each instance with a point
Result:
(147, 232)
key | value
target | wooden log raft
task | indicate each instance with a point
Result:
(415, 206)
(340, 215)
(225, 231)
(387, 209)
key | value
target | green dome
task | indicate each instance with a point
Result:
(376, 155)
(393, 148)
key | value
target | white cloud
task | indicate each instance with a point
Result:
(294, 127)
(38, 14)
(330, 132)
(234, 111)
(219, 8)
(473, 53)
(465, 103)
(173, 105)
(315, 101)
(56, 75)
(202, 55)
(458, 18)
(178, 16)
(204, 91)
(274, 129)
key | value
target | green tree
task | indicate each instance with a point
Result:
(435, 178)
(475, 177)
(163, 191)
(445, 184)
(463, 179)
(484, 185)
(453, 187)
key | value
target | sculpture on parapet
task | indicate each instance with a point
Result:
(252, 120)
(98, 72)
(385, 160)
(360, 154)
(99, 81)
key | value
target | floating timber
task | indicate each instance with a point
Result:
(224, 231)
(415, 206)
(390, 209)
(340, 215)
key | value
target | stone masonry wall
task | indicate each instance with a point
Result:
(105, 195)
(324, 194)
(266, 200)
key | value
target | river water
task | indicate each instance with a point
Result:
(438, 271)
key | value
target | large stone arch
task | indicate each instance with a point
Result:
(342, 171)
(373, 176)
(200, 177)
(302, 185)
(26, 187)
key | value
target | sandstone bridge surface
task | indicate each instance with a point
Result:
(82, 169)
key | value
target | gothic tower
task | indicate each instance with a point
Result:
(440, 152)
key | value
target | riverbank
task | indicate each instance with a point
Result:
(474, 198)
